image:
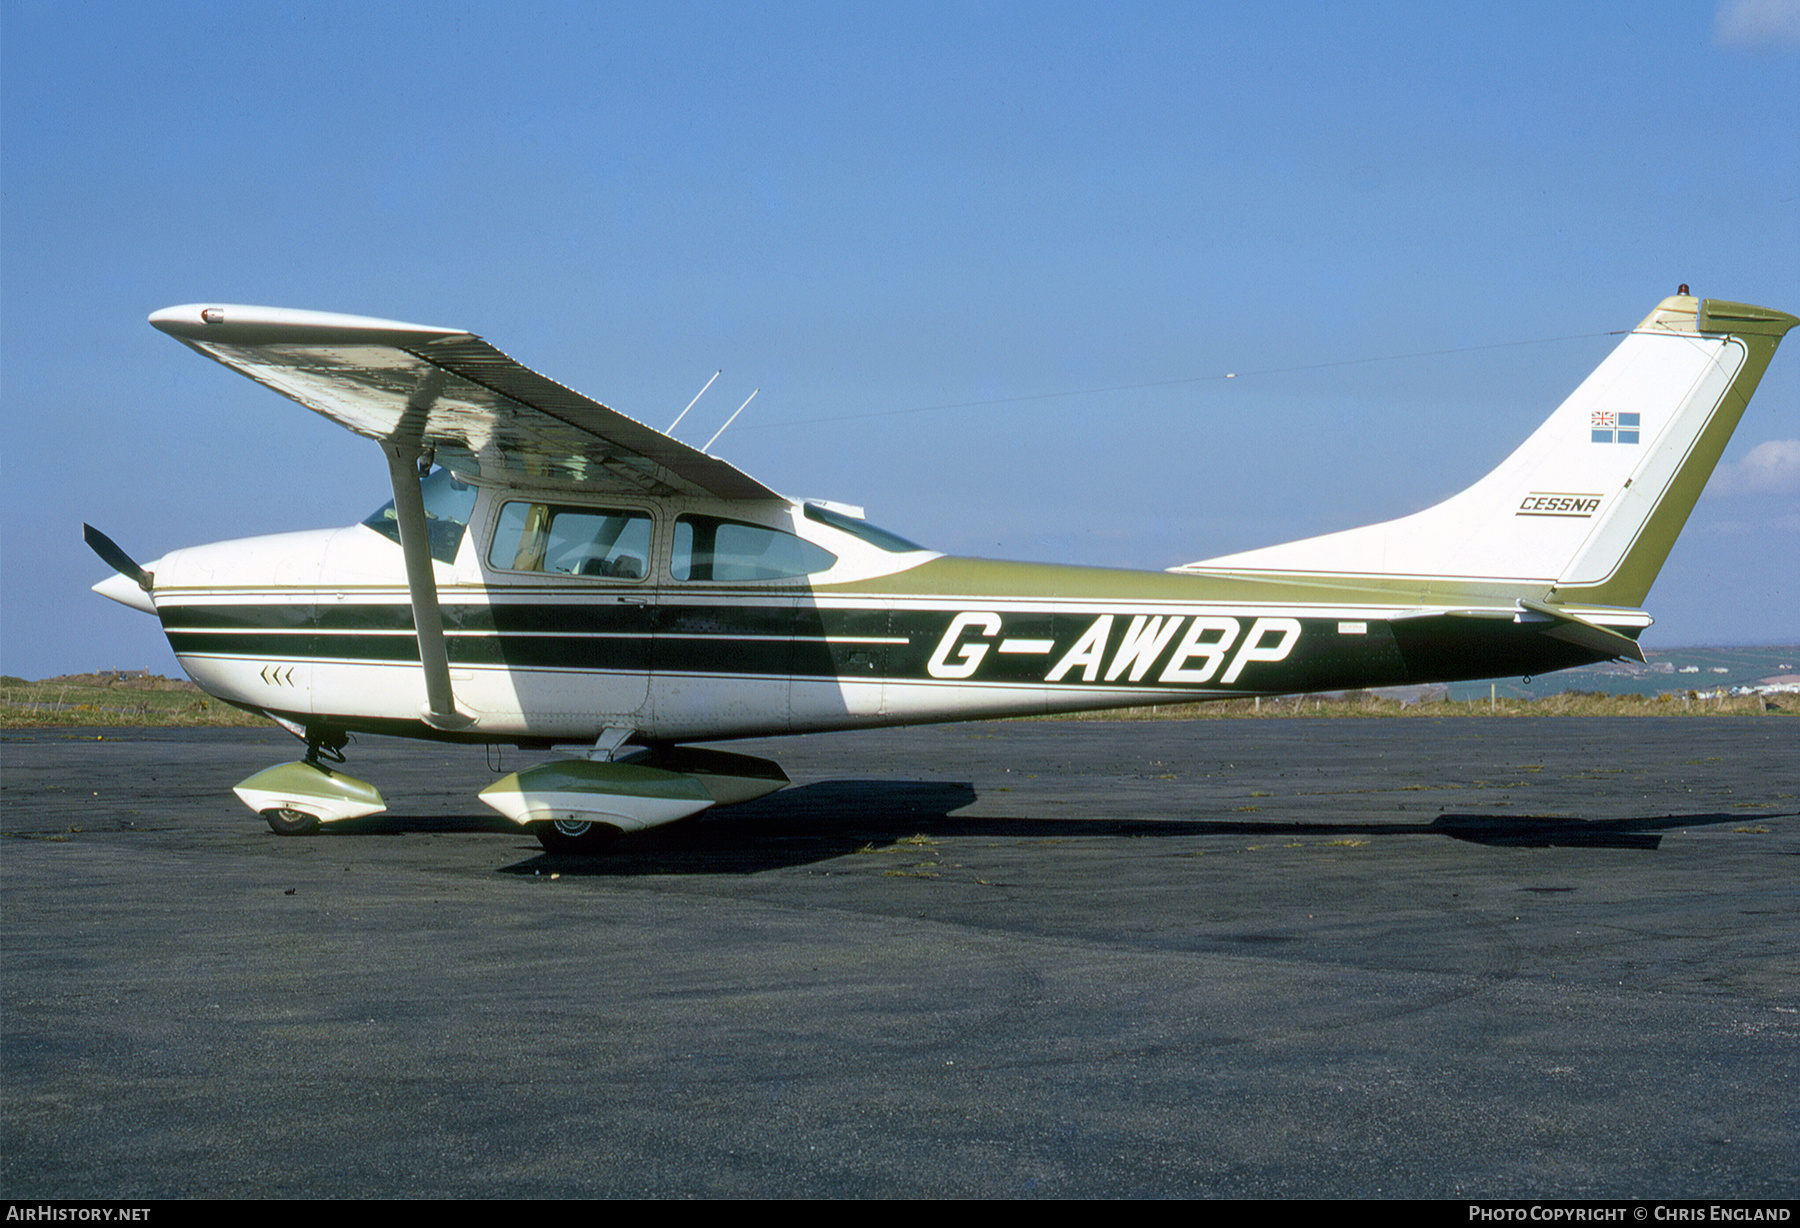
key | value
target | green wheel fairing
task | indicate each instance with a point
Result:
(309, 789)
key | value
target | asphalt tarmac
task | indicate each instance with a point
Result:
(1463, 958)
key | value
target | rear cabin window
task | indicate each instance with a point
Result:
(730, 551)
(572, 541)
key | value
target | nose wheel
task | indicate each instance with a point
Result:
(286, 821)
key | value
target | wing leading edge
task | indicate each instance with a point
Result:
(447, 390)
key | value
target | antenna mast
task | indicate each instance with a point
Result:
(694, 402)
(729, 421)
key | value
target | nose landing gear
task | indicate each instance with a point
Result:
(294, 798)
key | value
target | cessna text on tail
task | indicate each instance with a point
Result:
(566, 577)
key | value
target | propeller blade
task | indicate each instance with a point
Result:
(114, 557)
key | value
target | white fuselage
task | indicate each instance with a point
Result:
(316, 629)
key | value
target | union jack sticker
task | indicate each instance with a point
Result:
(1611, 427)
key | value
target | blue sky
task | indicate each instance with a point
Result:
(1068, 222)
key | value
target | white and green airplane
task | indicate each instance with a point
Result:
(554, 574)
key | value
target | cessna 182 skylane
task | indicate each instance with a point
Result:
(568, 578)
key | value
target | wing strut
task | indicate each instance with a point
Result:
(428, 622)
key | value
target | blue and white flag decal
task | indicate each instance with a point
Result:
(1610, 427)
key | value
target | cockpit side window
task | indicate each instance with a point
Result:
(448, 503)
(709, 548)
(573, 541)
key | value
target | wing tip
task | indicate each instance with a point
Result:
(243, 324)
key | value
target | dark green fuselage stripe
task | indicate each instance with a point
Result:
(794, 639)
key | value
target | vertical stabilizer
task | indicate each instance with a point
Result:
(1590, 504)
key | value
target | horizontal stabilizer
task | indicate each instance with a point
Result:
(1608, 644)
(1555, 622)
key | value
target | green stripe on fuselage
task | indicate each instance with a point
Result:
(1050, 635)
(972, 580)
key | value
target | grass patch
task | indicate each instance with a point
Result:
(141, 699)
(115, 699)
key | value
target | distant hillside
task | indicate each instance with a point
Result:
(113, 697)
(1668, 669)
(138, 697)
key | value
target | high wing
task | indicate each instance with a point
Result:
(449, 392)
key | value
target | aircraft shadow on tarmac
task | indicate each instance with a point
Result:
(820, 822)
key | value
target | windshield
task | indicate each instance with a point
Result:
(448, 502)
(893, 543)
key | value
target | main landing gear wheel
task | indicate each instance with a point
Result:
(286, 821)
(575, 836)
